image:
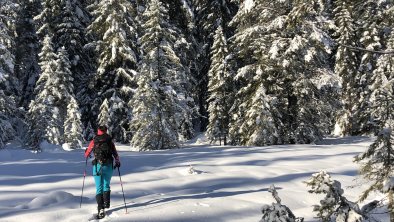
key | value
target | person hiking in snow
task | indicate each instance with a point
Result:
(104, 154)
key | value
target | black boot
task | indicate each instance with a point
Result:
(100, 206)
(106, 197)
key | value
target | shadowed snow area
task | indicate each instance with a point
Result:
(198, 183)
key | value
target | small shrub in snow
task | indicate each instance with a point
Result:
(334, 205)
(277, 212)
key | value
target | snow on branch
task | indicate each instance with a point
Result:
(365, 50)
(277, 211)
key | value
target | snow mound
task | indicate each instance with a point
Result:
(52, 198)
(190, 171)
(199, 139)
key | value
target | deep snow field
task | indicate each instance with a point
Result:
(228, 183)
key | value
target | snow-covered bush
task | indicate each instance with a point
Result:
(276, 212)
(335, 206)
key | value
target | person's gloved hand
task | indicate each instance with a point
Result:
(117, 164)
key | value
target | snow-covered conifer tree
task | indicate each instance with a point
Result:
(377, 162)
(208, 16)
(162, 77)
(334, 204)
(7, 109)
(63, 86)
(8, 11)
(9, 114)
(370, 17)
(26, 54)
(283, 56)
(240, 128)
(346, 67)
(181, 19)
(65, 21)
(46, 20)
(152, 128)
(70, 33)
(53, 90)
(115, 28)
(73, 125)
(218, 88)
(277, 211)
(64, 82)
(7, 103)
(38, 114)
(104, 117)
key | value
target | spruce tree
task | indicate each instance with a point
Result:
(26, 53)
(182, 21)
(8, 12)
(73, 125)
(104, 117)
(370, 17)
(63, 82)
(115, 29)
(280, 68)
(38, 115)
(377, 161)
(54, 91)
(209, 15)
(9, 114)
(346, 67)
(153, 128)
(163, 77)
(70, 33)
(219, 81)
(46, 20)
(239, 128)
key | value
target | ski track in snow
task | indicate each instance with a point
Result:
(225, 184)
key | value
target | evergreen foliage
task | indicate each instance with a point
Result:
(282, 61)
(115, 30)
(370, 18)
(334, 204)
(377, 161)
(26, 54)
(54, 91)
(73, 126)
(162, 76)
(103, 118)
(277, 212)
(346, 67)
(218, 87)
(208, 16)
(9, 114)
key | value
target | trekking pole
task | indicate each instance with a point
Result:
(121, 184)
(83, 183)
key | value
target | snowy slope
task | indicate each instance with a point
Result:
(228, 184)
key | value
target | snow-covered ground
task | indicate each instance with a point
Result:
(228, 183)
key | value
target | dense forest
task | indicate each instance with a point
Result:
(253, 72)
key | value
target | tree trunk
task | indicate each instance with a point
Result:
(391, 205)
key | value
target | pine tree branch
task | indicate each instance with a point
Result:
(365, 50)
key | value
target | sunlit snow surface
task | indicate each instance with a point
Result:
(198, 183)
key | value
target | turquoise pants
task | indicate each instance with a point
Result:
(102, 177)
